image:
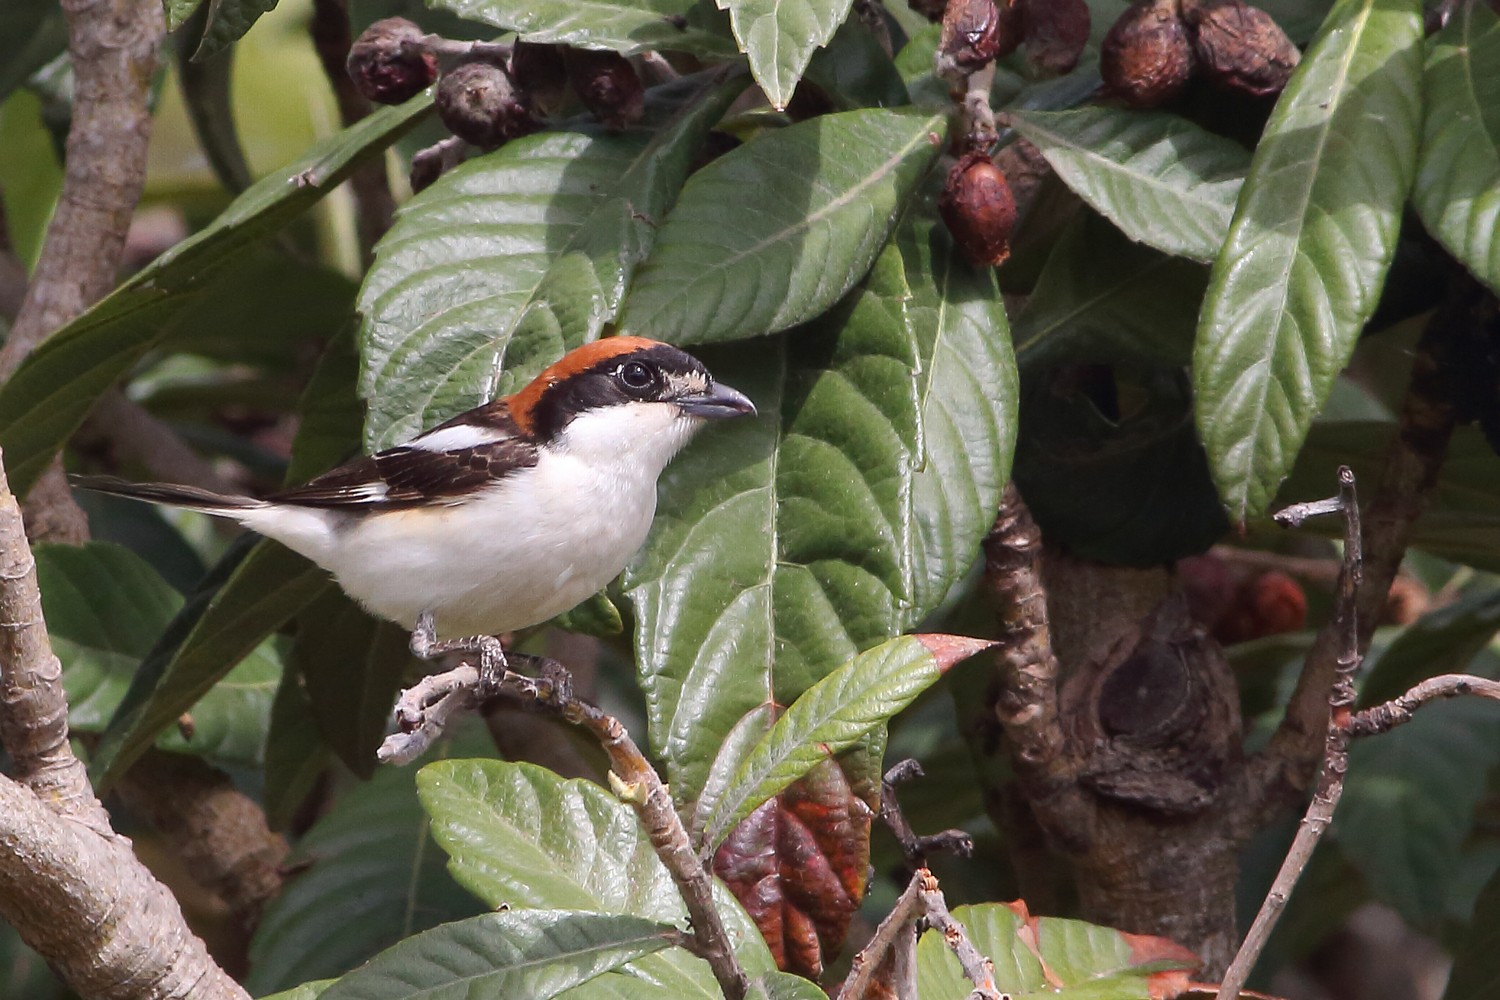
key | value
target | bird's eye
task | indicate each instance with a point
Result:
(635, 375)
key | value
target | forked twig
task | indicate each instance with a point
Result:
(1336, 744)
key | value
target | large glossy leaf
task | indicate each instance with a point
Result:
(1476, 960)
(1038, 957)
(353, 665)
(833, 715)
(535, 954)
(212, 633)
(967, 397)
(307, 991)
(228, 20)
(779, 37)
(295, 754)
(1164, 181)
(502, 265)
(1458, 179)
(781, 545)
(627, 26)
(518, 835)
(106, 608)
(1409, 801)
(54, 389)
(1102, 299)
(373, 877)
(826, 193)
(1312, 237)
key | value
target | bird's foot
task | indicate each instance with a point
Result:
(423, 710)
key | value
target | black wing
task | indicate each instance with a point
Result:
(409, 476)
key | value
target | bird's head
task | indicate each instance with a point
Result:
(624, 397)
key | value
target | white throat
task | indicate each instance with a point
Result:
(644, 436)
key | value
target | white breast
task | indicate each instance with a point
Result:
(530, 547)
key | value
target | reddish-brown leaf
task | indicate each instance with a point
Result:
(952, 649)
(799, 865)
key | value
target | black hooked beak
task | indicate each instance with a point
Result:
(718, 402)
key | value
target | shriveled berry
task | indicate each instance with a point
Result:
(1147, 59)
(1240, 47)
(1054, 32)
(978, 209)
(480, 104)
(976, 32)
(608, 85)
(389, 63)
(539, 70)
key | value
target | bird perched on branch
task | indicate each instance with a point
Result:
(505, 515)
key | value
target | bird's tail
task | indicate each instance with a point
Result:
(189, 497)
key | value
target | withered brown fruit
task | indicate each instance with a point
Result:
(978, 209)
(1147, 59)
(539, 70)
(608, 85)
(480, 104)
(1240, 47)
(976, 32)
(1054, 32)
(389, 63)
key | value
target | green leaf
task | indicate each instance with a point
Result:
(781, 544)
(353, 665)
(779, 37)
(518, 835)
(626, 26)
(1440, 642)
(535, 954)
(1476, 960)
(596, 616)
(855, 70)
(1409, 802)
(46, 399)
(206, 85)
(228, 21)
(243, 602)
(374, 878)
(1102, 299)
(1163, 180)
(1458, 179)
(1090, 962)
(967, 397)
(105, 609)
(245, 599)
(827, 193)
(831, 716)
(295, 755)
(500, 266)
(307, 991)
(1312, 237)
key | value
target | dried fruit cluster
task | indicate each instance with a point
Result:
(1157, 46)
(492, 93)
(1237, 605)
(976, 32)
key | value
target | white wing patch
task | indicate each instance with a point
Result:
(457, 438)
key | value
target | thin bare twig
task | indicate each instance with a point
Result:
(916, 847)
(978, 968)
(1400, 710)
(425, 708)
(1336, 743)
(899, 923)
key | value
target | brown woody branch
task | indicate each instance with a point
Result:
(1399, 711)
(424, 710)
(977, 967)
(70, 886)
